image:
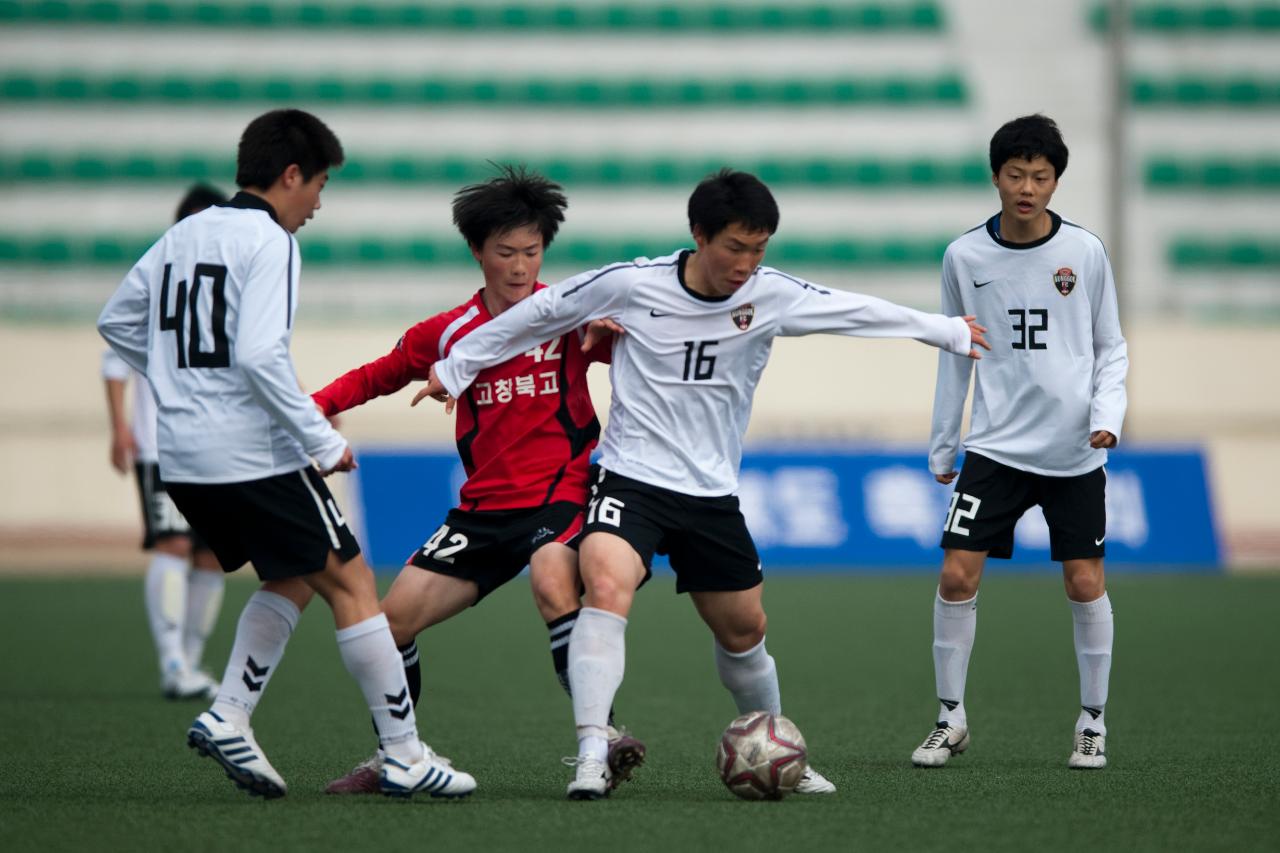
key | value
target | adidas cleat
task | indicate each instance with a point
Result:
(238, 753)
(942, 743)
(431, 774)
(1090, 752)
(591, 781)
(626, 753)
(813, 782)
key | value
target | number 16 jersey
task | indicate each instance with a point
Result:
(207, 316)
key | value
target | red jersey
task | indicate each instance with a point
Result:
(525, 428)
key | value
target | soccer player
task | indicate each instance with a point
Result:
(525, 433)
(207, 314)
(700, 325)
(1047, 404)
(184, 583)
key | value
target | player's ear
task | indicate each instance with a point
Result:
(475, 253)
(291, 177)
(699, 237)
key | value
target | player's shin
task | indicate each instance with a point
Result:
(204, 601)
(266, 623)
(597, 658)
(369, 654)
(166, 597)
(752, 678)
(1094, 635)
(954, 626)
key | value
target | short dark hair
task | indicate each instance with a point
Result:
(197, 199)
(274, 140)
(515, 198)
(729, 197)
(1027, 138)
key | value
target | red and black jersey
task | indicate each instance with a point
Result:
(525, 428)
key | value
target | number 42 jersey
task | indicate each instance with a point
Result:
(1057, 365)
(207, 316)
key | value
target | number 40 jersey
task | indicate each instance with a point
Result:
(207, 316)
(1057, 365)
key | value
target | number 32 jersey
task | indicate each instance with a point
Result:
(685, 372)
(207, 316)
(1057, 365)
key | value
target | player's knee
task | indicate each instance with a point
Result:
(554, 595)
(744, 632)
(957, 581)
(1085, 583)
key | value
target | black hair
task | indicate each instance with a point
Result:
(275, 140)
(729, 197)
(515, 198)
(1027, 138)
(197, 199)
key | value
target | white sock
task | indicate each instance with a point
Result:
(752, 678)
(204, 601)
(165, 590)
(265, 626)
(954, 625)
(597, 658)
(1094, 635)
(370, 655)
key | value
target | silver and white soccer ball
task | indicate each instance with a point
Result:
(761, 756)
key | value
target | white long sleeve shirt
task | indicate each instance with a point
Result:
(686, 371)
(207, 316)
(142, 420)
(1057, 365)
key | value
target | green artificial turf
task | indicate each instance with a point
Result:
(94, 759)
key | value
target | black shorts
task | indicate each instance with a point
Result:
(490, 547)
(707, 538)
(285, 525)
(160, 517)
(990, 498)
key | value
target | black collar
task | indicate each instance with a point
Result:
(248, 201)
(684, 259)
(992, 224)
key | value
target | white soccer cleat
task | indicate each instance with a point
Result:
(626, 753)
(943, 742)
(239, 754)
(1090, 752)
(813, 782)
(179, 682)
(592, 781)
(429, 775)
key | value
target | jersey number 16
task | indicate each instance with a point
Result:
(186, 315)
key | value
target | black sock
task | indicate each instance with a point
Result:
(412, 669)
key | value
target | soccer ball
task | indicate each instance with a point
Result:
(761, 756)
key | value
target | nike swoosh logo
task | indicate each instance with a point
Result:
(1099, 541)
(982, 283)
(655, 313)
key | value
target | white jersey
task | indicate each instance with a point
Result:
(142, 420)
(207, 315)
(1057, 365)
(685, 372)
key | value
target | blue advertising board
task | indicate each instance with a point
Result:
(839, 508)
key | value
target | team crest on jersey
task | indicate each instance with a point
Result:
(743, 315)
(1065, 280)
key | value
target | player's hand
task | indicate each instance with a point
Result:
(976, 333)
(945, 479)
(123, 451)
(1100, 438)
(346, 463)
(435, 390)
(598, 330)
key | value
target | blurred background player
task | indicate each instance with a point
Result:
(207, 314)
(525, 432)
(1047, 404)
(184, 583)
(700, 326)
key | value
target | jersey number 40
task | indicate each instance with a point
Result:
(186, 315)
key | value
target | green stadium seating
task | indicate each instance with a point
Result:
(945, 89)
(889, 15)
(453, 170)
(1185, 91)
(121, 250)
(1240, 254)
(1213, 174)
(1198, 19)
